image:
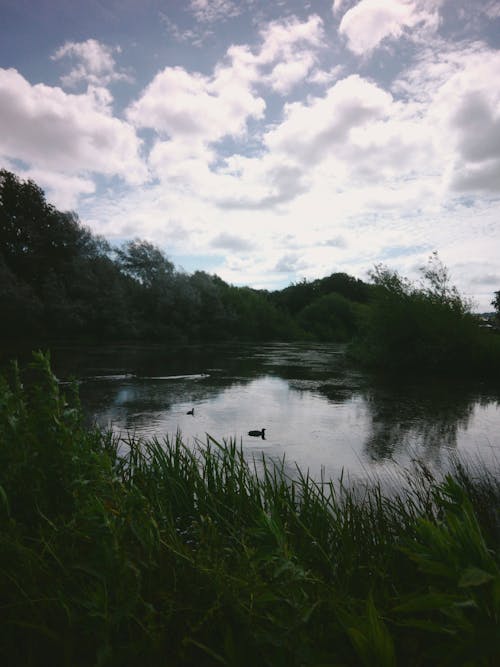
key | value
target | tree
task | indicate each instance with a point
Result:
(496, 304)
(35, 237)
(144, 262)
(330, 317)
(426, 327)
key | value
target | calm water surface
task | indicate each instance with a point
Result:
(318, 412)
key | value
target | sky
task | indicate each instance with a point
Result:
(265, 141)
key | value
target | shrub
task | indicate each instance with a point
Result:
(424, 328)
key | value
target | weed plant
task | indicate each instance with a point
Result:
(152, 553)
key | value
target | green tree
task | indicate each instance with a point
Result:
(151, 288)
(34, 236)
(145, 262)
(496, 305)
(330, 317)
(426, 327)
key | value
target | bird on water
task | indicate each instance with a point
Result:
(258, 434)
(190, 412)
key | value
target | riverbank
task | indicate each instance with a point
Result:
(165, 555)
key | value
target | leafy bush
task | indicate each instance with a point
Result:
(424, 328)
(331, 317)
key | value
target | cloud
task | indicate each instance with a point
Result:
(232, 242)
(337, 6)
(62, 190)
(369, 22)
(210, 11)
(312, 131)
(477, 125)
(179, 104)
(290, 263)
(477, 178)
(492, 9)
(282, 39)
(335, 242)
(486, 279)
(66, 134)
(325, 77)
(192, 35)
(267, 183)
(192, 113)
(356, 130)
(95, 64)
(458, 93)
(286, 74)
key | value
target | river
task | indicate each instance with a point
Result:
(318, 412)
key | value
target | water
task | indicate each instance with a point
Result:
(318, 412)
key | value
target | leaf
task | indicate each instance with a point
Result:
(428, 602)
(4, 500)
(428, 626)
(474, 576)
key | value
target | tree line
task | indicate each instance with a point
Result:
(58, 280)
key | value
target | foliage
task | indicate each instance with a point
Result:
(299, 295)
(496, 305)
(425, 328)
(62, 282)
(152, 553)
(330, 317)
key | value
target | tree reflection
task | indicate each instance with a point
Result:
(419, 418)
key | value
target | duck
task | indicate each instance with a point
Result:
(190, 412)
(258, 434)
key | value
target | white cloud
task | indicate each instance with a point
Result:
(260, 183)
(192, 112)
(337, 6)
(232, 242)
(369, 22)
(286, 74)
(290, 263)
(312, 131)
(62, 190)
(478, 178)
(95, 63)
(458, 91)
(194, 36)
(66, 134)
(180, 104)
(324, 77)
(282, 39)
(209, 11)
(492, 9)
(353, 136)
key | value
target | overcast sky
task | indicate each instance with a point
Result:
(265, 141)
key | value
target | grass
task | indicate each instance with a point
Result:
(157, 554)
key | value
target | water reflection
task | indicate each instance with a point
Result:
(317, 411)
(417, 418)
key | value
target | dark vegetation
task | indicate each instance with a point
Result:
(60, 281)
(426, 328)
(168, 556)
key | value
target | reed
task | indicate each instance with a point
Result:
(150, 552)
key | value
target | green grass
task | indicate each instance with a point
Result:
(156, 554)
